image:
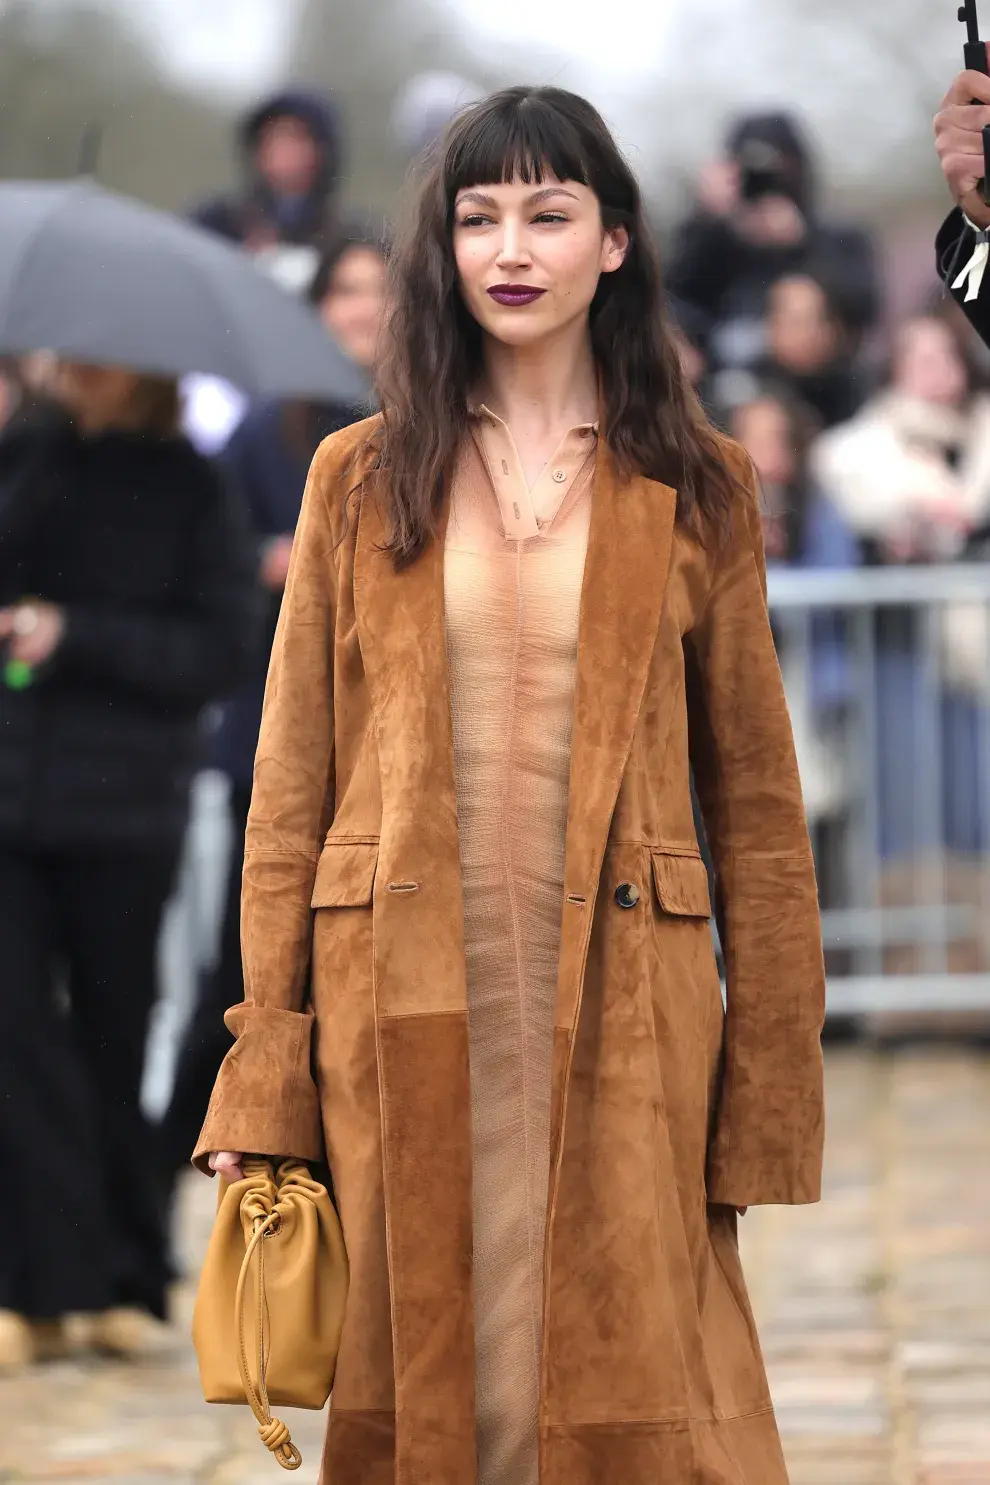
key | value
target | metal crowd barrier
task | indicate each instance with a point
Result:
(888, 678)
(906, 930)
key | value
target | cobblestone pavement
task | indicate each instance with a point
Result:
(874, 1310)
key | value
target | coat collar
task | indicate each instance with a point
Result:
(403, 639)
(625, 578)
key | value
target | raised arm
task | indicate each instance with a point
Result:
(767, 1140)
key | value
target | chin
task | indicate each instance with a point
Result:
(516, 328)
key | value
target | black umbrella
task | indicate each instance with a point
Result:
(99, 277)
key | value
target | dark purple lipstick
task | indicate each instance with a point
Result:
(515, 294)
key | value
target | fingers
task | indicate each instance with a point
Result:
(964, 118)
(227, 1163)
(966, 87)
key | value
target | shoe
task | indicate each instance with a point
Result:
(129, 1333)
(16, 1342)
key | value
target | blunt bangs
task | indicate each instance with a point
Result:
(510, 136)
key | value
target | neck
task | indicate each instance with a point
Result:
(543, 387)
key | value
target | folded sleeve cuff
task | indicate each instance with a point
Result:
(768, 1141)
(264, 1101)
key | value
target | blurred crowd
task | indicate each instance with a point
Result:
(870, 436)
(872, 442)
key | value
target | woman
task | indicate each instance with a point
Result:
(911, 476)
(507, 598)
(125, 605)
(268, 457)
(802, 528)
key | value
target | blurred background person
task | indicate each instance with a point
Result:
(911, 476)
(757, 219)
(687, 327)
(268, 457)
(291, 152)
(291, 149)
(126, 604)
(424, 107)
(802, 528)
(808, 347)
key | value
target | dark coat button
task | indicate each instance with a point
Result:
(627, 894)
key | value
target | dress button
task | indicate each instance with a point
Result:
(627, 894)
(560, 476)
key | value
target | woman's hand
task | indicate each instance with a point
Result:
(228, 1163)
(33, 631)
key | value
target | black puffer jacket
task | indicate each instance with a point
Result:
(148, 556)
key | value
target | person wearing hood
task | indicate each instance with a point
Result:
(285, 216)
(291, 145)
(757, 220)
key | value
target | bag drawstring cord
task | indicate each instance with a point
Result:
(272, 1431)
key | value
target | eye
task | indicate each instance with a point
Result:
(473, 219)
(551, 217)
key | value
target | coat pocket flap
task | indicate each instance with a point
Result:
(682, 884)
(345, 875)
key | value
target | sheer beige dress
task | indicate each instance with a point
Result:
(514, 562)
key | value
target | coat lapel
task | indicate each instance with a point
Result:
(421, 1010)
(625, 577)
(422, 1022)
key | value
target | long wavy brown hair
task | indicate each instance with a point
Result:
(432, 349)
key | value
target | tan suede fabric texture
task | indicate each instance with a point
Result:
(664, 1111)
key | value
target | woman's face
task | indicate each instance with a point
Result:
(529, 256)
(763, 429)
(354, 304)
(803, 336)
(98, 396)
(928, 365)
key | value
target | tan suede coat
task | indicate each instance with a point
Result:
(665, 1113)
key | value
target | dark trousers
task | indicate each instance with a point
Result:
(78, 937)
(207, 1040)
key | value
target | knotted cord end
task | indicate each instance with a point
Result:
(275, 1437)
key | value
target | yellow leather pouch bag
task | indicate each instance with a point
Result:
(270, 1304)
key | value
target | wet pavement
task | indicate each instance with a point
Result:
(874, 1310)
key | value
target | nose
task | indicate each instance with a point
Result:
(513, 248)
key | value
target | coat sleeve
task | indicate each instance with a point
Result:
(700, 264)
(767, 1137)
(265, 1100)
(954, 246)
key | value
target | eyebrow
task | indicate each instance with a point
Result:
(478, 198)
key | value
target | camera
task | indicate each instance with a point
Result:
(763, 171)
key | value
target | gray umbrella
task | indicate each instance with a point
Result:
(99, 277)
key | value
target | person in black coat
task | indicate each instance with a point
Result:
(961, 247)
(285, 214)
(268, 458)
(757, 219)
(127, 602)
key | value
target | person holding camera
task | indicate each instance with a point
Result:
(961, 247)
(756, 220)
